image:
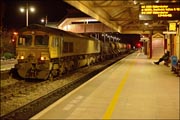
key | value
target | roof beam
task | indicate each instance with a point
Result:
(114, 6)
(98, 14)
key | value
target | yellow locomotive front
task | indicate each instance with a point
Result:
(44, 52)
(33, 54)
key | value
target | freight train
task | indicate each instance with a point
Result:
(44, 52)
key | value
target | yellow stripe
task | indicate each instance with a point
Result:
(114, 100)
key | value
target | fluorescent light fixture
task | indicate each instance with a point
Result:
(169, 32)
(146, 23)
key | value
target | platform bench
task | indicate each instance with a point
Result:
(176, 68)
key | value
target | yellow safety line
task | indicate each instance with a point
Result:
(114, 100)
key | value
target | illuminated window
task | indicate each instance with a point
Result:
(25, 40)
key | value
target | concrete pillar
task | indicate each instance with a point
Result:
(178, 42)
(168, 42)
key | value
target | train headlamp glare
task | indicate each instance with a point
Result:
(22, 57)
(43, 58)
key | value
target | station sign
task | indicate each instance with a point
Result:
(145, 39)
(160, 12)
(169, 32)
(172, 26)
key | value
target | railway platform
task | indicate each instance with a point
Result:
(132, 88)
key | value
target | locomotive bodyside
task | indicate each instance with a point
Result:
(46, 52)
(76, 51)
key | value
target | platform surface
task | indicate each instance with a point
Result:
(132, 88)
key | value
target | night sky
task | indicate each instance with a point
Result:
(55, 10)
(12, 18)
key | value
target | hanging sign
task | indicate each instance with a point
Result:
(172, 26)
(160, 12)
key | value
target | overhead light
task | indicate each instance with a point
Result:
(157, 1)
(22, 9)
(146, 23)
(42, 20)
(173, 1)
(135, 2)
(32, 9)
(169, 32)
(88, 20)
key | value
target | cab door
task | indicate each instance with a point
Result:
(55, 47)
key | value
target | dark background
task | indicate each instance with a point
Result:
(55, 10)
(12, 18)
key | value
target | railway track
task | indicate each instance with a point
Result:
(28, 98)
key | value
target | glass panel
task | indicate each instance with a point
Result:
(55, 42)
(65, 47)
(41, 40)
(25, 40)
(70, 47)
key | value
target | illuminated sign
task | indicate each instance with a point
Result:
(160, 11)
(169, 32)
(172, 26)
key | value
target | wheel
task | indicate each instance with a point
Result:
(51, 78)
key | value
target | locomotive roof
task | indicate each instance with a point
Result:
(49, 30)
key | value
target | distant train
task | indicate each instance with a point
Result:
(44, 52)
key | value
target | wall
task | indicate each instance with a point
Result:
(157, 45)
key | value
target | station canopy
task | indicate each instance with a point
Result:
(125, 15)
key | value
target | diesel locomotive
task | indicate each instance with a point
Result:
(44, 52)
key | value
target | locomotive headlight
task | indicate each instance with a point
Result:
(22, 57)
(43, 58)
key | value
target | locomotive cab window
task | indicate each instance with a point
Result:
(25, 40)
(42, 40)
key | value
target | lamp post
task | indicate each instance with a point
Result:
(32, 9)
